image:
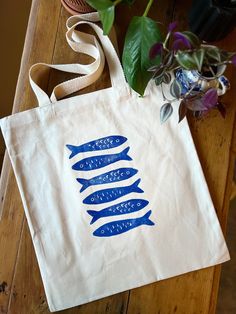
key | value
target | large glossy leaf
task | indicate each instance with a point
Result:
(107, 17)
(142, 33)
(106, 10)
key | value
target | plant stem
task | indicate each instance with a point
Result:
(117, 2)
(166, 40)
(192, 88)
(148, 8)
(163, 96)
(212, 72)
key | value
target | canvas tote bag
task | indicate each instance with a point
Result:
(114, 200)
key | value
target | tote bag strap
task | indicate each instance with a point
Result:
(87, 44)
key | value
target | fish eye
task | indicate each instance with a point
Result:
(117, 141)
(81, 166)
(102, 231)
(92, 199)
(138, 204)
(127, 172)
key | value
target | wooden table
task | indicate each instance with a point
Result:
(21, 289)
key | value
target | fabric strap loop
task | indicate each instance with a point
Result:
(86, 44)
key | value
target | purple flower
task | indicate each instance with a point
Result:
(178, 44)
(210, 99)
(179, 38)
(234, 60)
(155, 50)
(172, 26)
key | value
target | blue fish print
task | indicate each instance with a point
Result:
(117, 227)
(96, 162)
(108, 177)
(122, 208)
(108, 195)
(99, 144)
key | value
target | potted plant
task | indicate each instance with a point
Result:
(193, 71)
(196, 70)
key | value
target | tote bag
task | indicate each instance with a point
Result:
(114, 200)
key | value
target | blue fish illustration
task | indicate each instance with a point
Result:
(108, 177)
(122, 208)
(108, 195)
(117, 227)
(96, 162)
(99, 144)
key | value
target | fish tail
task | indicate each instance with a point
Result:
(125, 155)
(94, 214)
(146, 220)
(74, 150)
(135, 187)
(85, 184)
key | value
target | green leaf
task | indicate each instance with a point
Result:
(106, 10)
(100, 5)
(165, 112)
(166, 78)
(198, 57)
(175, 89)
(142, 33)
(158, 80)
(107, 18)
(182, 111)
(213, 54)
(192, 38)
(186, 60)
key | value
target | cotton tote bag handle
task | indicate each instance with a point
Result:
(87, 44)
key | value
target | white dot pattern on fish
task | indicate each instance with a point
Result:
(113, 176)
(97, 162)
(125, 225)
(103, 144)
(105, 196)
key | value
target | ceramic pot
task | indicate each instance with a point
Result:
(193, 80)
(76, 6)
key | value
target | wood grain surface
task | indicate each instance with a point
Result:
(21, 289)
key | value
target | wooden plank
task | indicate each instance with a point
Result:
(36, 48)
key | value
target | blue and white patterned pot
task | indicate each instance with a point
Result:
(193, 80)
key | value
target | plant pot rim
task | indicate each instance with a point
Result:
(74, 12)
(199, 74)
